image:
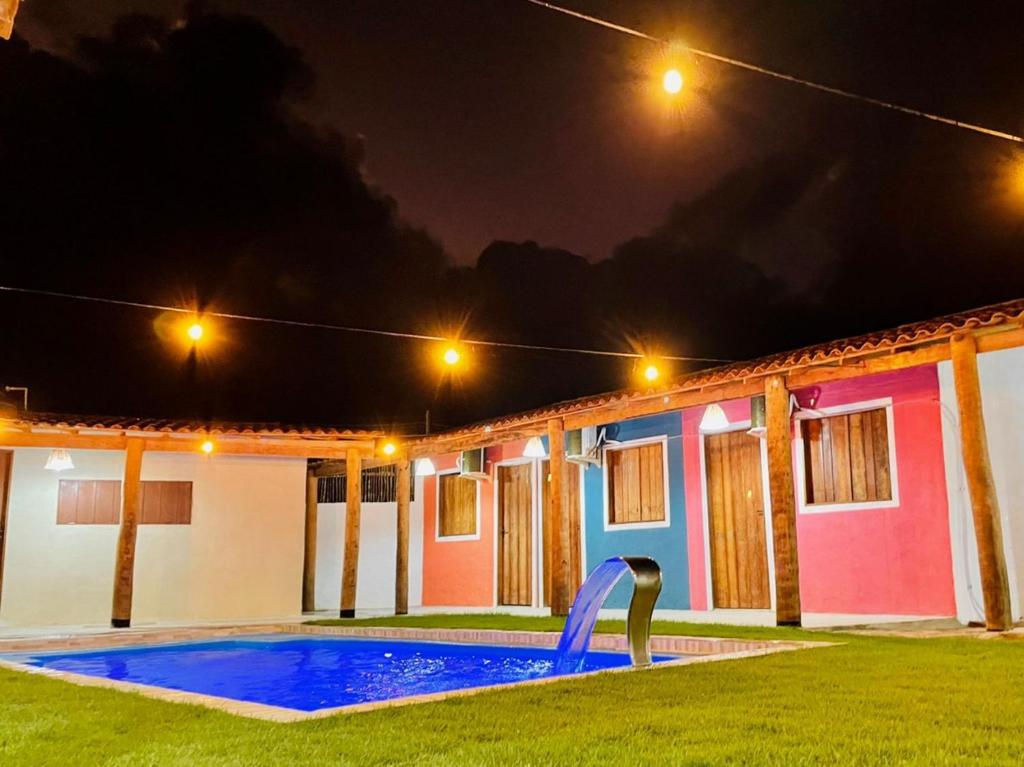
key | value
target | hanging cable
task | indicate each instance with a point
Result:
(782, 76)
(346, 328)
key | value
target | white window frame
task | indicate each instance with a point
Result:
(610, 527)
(801, 469)
(438, 538)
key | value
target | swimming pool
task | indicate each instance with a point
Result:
(312, 673)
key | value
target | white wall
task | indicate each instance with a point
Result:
(241, 558)
(375, 581)
(1002, 393)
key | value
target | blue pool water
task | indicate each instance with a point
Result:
(312, 673)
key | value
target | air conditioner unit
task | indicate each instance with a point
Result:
(472, 465)
(581, 446)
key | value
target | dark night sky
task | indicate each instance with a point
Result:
(351, 161)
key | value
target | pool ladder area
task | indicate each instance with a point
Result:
(579, 626)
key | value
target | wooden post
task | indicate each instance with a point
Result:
(988, 528)
(309, 560)
(780, 485)
(353, 504)
(403, 489)
(124, 564)
(559, 510)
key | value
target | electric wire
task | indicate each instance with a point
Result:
(347, 328)
(783, 76)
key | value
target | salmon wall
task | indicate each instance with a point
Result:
(460, 573)
(869, 561)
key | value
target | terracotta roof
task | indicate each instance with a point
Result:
(937, 329)
(183, 426)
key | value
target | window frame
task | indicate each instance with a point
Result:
(438, 538)
(617, 527)
(803, 507)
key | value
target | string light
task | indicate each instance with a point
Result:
(782, 76)
(672, 82)
(348, 329)
(451, 356)
(195, 331)
(651, 373)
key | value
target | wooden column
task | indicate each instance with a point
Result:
(780, 484)
(561, 592)
(988, 527)
(124, 564)
(353, 505)
(403, 489)
(309, 560)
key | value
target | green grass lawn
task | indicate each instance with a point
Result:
(873, 700)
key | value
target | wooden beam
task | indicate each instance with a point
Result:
(124, 564)
(297, 448)
(403, 491)
(64, 440)
(783, 501)
(353, 505)
(309, 558)
(559, 510)
(984, 504)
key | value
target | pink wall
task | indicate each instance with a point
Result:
(880, 561)
(461, 573)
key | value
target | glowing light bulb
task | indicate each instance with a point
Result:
(672, 82)
(651, 372)
(195, 331)
(389, 448)
(451, 356)
(207, 447)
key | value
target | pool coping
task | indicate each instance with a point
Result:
(698, 650)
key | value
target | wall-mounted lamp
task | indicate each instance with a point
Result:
(59, 460)
(425, 468)
(534, 448)
(714, 419)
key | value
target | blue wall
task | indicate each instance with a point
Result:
(667, 545)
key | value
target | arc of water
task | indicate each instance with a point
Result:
(579, 626)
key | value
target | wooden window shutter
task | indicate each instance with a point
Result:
(457, 499)
(166, 503)
(846, 458)
(89, 502)
(636, 484)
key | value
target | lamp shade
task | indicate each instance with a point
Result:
(59, 460)
(425, 468)
(534, 448)
(714, 419)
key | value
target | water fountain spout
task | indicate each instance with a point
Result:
(579, 626)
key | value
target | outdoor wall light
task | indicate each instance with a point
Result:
(714, 419)
(59, 460)
(534, 448)
(425, 468)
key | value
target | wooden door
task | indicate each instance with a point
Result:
(736, 524)
(572, 486)
(515, 540)
(6, 457)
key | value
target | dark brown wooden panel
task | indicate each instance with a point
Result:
(572, 498)
(636, 484)
(739, 553)
(515, 535)
(457, 498)
(166, 503)
(846, 458)
(89, 502)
